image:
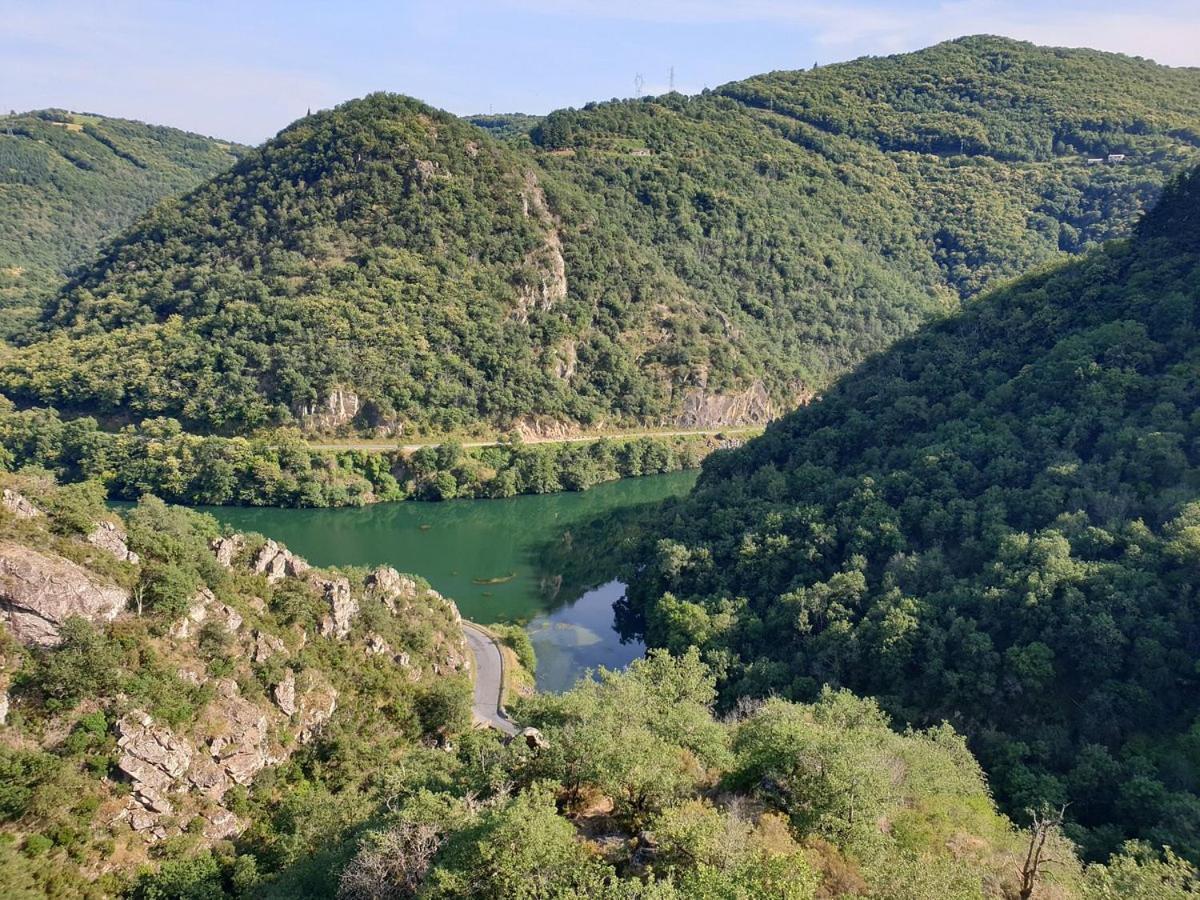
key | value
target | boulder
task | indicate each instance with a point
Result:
(19, 505)
(40, 591)
(533, 739)
(140, 818)
(208, 777)
(277, 562)
(285, 693)
(152, 757)
(377, 646)
(110, 537)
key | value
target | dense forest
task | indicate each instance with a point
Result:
(674, 259)
(993, 524)
(224, 737)
(70, 181)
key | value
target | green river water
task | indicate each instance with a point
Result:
(486, 555)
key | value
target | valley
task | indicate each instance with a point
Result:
(789, 489)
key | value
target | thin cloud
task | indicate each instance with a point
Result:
(1169, 33)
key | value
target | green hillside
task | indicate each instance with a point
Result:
(70, 181)
(993, 524)
(242, 725)
(675, 260)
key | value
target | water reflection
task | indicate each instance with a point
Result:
(520, 560)
(581, 636)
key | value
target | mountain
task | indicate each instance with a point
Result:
(996, 524)
(70, 181)
(195, 714)
(688, 261)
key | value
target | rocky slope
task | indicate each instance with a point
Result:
(164, 700)
(674, 260)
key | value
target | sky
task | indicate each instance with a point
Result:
(243, 70)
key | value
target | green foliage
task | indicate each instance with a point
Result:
(730, 814)
(522, 851)
(517, 639)
(630, 257)
(993, 524)
(280, 468)
(68, 182)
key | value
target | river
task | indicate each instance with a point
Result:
(488, 556)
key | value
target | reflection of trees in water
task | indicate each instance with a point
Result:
(593, 552)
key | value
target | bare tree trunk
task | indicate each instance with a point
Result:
(1044, 823)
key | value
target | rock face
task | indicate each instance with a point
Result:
(278, 562)
(205, 606)
(285, 693)
(110, 537)
(266, 646)
(226, 549)
(342, 606)
(391, 587)
(704, 410)
(339, 408)
(242, 751)
(152, 757)
(19, 505)
(39, 592)
(316, 707)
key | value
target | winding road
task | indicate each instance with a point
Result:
(487, 707)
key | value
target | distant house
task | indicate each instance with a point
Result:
(642, 151)
(1116, 157)
(1095, 161)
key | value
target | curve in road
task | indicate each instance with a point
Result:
(488, 707)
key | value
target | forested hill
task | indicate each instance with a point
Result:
(670, 260)
(69, 181)
(993, 97)
(997, 524)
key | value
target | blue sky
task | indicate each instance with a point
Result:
(243, 70)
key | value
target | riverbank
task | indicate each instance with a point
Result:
(282, 468)
(463, 546)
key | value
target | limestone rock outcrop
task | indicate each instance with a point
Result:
(702, 409)
(266, 646)
(152, 757)
(342, 606)
(40, 591)
(111, 537)
(206, 606)
(226, 549)
(315, 707)
(391, 587)
(19, 505)
(277, 563)
(285, 693)
(243, 749)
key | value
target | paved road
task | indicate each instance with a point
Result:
(578, 439)
(489, 679)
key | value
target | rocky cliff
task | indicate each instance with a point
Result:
(268, 660)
